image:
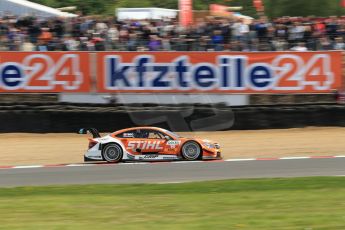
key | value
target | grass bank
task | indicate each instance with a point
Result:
(296, 203)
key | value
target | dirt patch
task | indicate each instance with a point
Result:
(24, 149)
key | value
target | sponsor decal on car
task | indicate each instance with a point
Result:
(149, 145)
(172, 144)
(128, 135)
(151, 156)
(170, 158)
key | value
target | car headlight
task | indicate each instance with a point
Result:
(208, 145)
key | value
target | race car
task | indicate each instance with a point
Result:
(147, 144)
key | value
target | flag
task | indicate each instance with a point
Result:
(219, 10)
(186, 12)
(342, 3)
(258, 4)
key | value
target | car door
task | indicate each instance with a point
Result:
(131, 140)
(152, 141)
(158, 142)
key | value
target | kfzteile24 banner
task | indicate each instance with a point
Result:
(220, 72)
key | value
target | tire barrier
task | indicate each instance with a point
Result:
(43, 118)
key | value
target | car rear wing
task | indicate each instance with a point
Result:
(93, 131)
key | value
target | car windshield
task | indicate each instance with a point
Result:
(171, 133)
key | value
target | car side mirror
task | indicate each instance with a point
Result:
(167, 138)
(82, 131)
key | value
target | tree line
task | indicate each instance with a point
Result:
(273, 8)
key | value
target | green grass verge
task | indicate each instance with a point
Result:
(297, 203)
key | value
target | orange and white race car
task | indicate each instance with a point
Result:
(147, 144)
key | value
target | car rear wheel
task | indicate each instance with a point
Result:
(191, 151)
(112, 153)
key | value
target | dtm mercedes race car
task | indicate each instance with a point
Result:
(147, 144)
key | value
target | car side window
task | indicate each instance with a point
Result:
(151, 134)
(156, 135)
(129, 134)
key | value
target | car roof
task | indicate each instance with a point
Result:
(140, 127)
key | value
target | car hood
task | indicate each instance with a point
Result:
(201, 141)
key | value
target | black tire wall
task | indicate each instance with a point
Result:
(39, 118)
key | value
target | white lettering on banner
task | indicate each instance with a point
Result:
(149, 145)
(41, 72)
(229, 73)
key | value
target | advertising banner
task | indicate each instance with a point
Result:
(38, 72)
(219, 72)
(186, 12)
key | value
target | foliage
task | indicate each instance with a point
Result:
(274, 8)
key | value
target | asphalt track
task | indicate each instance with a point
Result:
(170, 172)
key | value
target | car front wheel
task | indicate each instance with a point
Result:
(191, 151)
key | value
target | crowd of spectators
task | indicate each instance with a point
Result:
(208, 34)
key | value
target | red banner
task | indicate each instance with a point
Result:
(44, 72)
(186, 12)
(172, 72)
(219, 72)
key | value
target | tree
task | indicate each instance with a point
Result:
(277, 8)
(273, 8)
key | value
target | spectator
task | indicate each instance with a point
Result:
(339, 44)
(154, 43)
(42, 46)
(4, 43)
(97, 34)
(217, 40)
(70, 44)
(133, 43)
(45, 35)
(300, 47)
(27, 46)
(166, 45)
(325, 43)
(279, 44)
(261, 29)
(296, 33)
(240, 30)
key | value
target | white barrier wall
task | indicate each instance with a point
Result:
(228, 99)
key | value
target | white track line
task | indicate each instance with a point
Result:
(245, 159)
(293, 158)
(129, 163)
(78, 165)
(185, 162)
(28, 166)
